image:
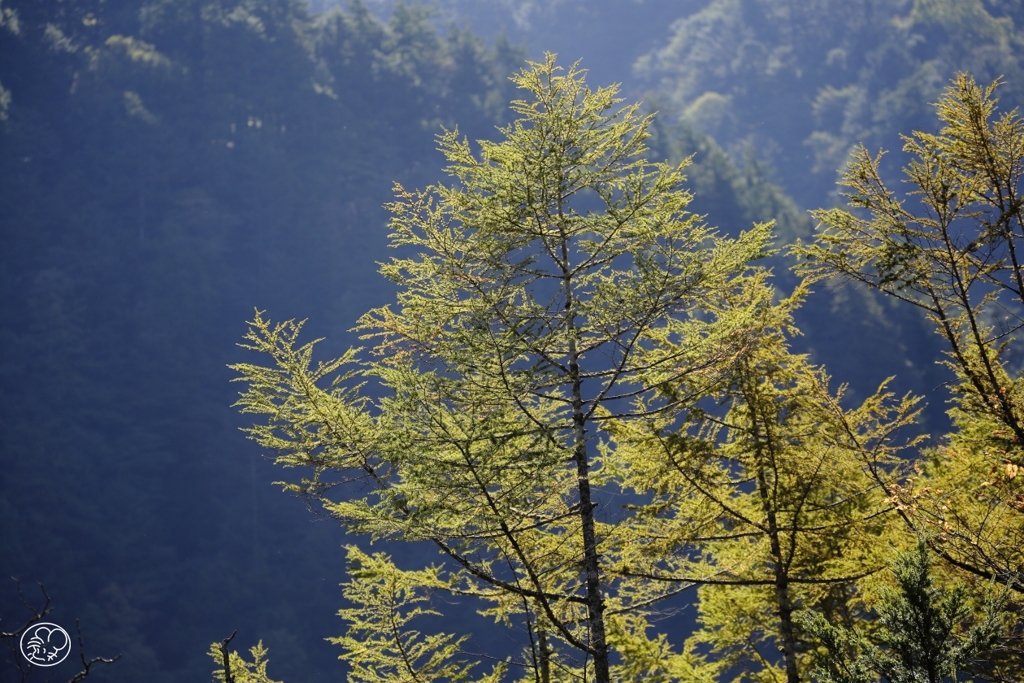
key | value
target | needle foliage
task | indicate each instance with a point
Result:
(585, 399)
(555, 287)
(953, 248)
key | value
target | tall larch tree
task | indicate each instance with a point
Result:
(558, 277)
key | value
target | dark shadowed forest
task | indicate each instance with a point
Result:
(167, 167)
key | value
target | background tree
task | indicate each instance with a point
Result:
(925, 632)
(560, 277)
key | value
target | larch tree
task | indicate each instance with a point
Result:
(954, 249)
(764, 498)
(556, 288)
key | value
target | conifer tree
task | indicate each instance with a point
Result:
(768, 505)
(956, 254)
(558, 278)
(234, 668)
(925, 632)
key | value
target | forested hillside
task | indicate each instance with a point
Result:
(168, 166)
(609, 35)
(802, 82)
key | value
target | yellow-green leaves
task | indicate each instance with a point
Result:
(767, 506)
(381, 644)
(953, 247)
(241, 670)
(310, 425)
(557, 290)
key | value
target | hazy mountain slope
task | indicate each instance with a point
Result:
(608, 35)
(804, 81)
(165, 168)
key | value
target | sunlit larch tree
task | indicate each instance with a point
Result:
(558, 277)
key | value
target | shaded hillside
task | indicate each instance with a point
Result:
(167, 167)
(804, 81)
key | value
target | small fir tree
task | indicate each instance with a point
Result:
(924, 633)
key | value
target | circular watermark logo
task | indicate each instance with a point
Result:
(45, 644)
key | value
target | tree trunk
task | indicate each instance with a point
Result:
(544, 656)
(591, 565)
(781, 572)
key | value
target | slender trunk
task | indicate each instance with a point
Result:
(226, 657)
(544, 657)
(780, 569)
(591, 564)
(781, 588)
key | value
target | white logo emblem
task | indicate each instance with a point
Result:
(45, 644)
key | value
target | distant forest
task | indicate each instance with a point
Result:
(168, 166)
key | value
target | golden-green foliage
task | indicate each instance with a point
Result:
(768, 505)
(240, 670)
(567, 335)
(956, 255)
(378, 644)
(558, 278)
